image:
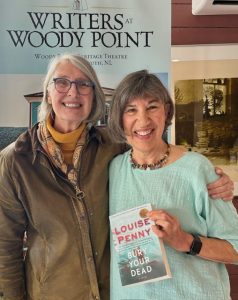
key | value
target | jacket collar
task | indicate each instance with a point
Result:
(29, 142)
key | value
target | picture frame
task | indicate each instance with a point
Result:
(204, 87)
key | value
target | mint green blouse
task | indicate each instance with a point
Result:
(180, 189)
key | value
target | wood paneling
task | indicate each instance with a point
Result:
(193, 36)
(188, 29)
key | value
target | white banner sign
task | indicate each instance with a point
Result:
(117, 37)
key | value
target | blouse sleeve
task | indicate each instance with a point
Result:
(221, 217)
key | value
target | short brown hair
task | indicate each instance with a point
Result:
(137, 84)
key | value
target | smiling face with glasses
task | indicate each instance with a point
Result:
(71, 95)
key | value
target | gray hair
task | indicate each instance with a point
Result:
(137, 84)
(84, 66)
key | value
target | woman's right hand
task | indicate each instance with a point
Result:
(169, 229)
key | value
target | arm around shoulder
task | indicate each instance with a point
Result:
(221, 188)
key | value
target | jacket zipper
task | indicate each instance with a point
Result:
(89, 260)
(83, 222)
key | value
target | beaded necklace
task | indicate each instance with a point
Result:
(159, 164)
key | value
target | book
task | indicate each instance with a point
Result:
(141, 255)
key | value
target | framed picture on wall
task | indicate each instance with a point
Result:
(206, 118)
(205, 92)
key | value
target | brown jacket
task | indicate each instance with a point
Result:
(67, 231)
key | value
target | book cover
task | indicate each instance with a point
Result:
(141, 255)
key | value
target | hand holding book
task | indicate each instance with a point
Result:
(140, 253)
(168, 228)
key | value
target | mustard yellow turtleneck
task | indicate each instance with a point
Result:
(66, 141)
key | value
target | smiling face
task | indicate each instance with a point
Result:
(143, 122)
(70, 108)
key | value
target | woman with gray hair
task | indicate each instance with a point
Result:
(200, 235)
(54, 187)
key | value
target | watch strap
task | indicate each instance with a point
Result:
(196, 245)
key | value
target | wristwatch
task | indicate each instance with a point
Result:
(196, 245)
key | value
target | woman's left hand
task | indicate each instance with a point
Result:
(221, 188)
(168, 228)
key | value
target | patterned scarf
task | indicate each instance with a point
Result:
(55, 153)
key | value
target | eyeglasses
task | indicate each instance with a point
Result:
(63, 85)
